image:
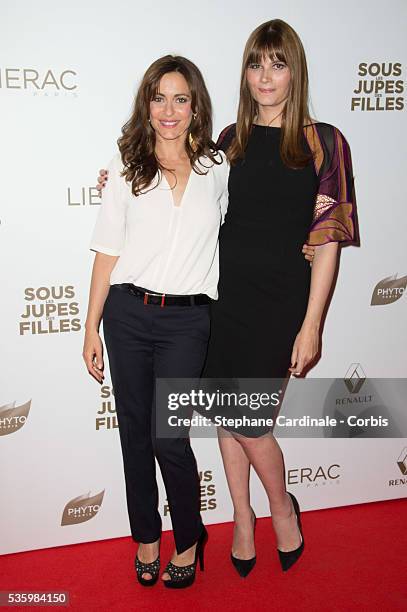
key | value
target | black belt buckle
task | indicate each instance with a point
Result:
(157, 295)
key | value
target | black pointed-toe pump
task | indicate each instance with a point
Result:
(287, 559)
(244, 566)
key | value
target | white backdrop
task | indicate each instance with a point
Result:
(68, 73)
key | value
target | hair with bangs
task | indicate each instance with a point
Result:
(137, 142)
(278, 41)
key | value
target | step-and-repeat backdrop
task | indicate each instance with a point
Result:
(68, 74)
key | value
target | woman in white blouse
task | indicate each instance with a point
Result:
(155, 271)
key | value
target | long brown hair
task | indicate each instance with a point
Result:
(277, 40)
(137, 142)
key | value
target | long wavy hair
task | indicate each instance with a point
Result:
(138, 139)
(278, 41)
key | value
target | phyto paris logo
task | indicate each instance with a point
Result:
(380, 87)
(49, 310)
(48, 82)
(388, 290)
(354, 378)
(13, 417)
(82, 508)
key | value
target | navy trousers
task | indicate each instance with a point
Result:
(146, 341)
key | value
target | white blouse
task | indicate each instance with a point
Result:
(162, 247)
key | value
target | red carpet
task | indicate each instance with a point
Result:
(354, 559)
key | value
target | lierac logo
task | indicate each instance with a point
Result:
(312, 476)
(38, 80)
(388, 290)
(13, 417)
(402, 461)
(354, 378)
(83, 196)
(82, 508)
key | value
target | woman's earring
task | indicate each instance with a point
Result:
(190, 137)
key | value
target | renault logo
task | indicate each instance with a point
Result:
(354, 378)
(402, 461)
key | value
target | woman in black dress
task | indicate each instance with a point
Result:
(290, 180)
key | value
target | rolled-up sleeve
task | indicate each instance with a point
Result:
(110, 230)
(334, 210)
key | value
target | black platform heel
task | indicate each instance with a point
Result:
(244, 566)
(152, 568)
(287, 559)
(182, 577)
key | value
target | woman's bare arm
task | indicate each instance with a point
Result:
(307, 342)
(322, 275)
(99, 288)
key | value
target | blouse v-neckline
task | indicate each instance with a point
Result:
(179, 205)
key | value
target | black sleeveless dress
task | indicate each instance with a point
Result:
(264, 278)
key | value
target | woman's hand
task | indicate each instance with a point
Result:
(309, 251)
(93, 354)
(305, 348)
(102, 179)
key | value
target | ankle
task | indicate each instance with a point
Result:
(283, 508)
(148, 552)
(243, 514)
(186, 553)
(148, 547)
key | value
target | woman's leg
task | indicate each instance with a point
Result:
(126, 331)
(181, 336)
(265, 455)
(237, 470)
